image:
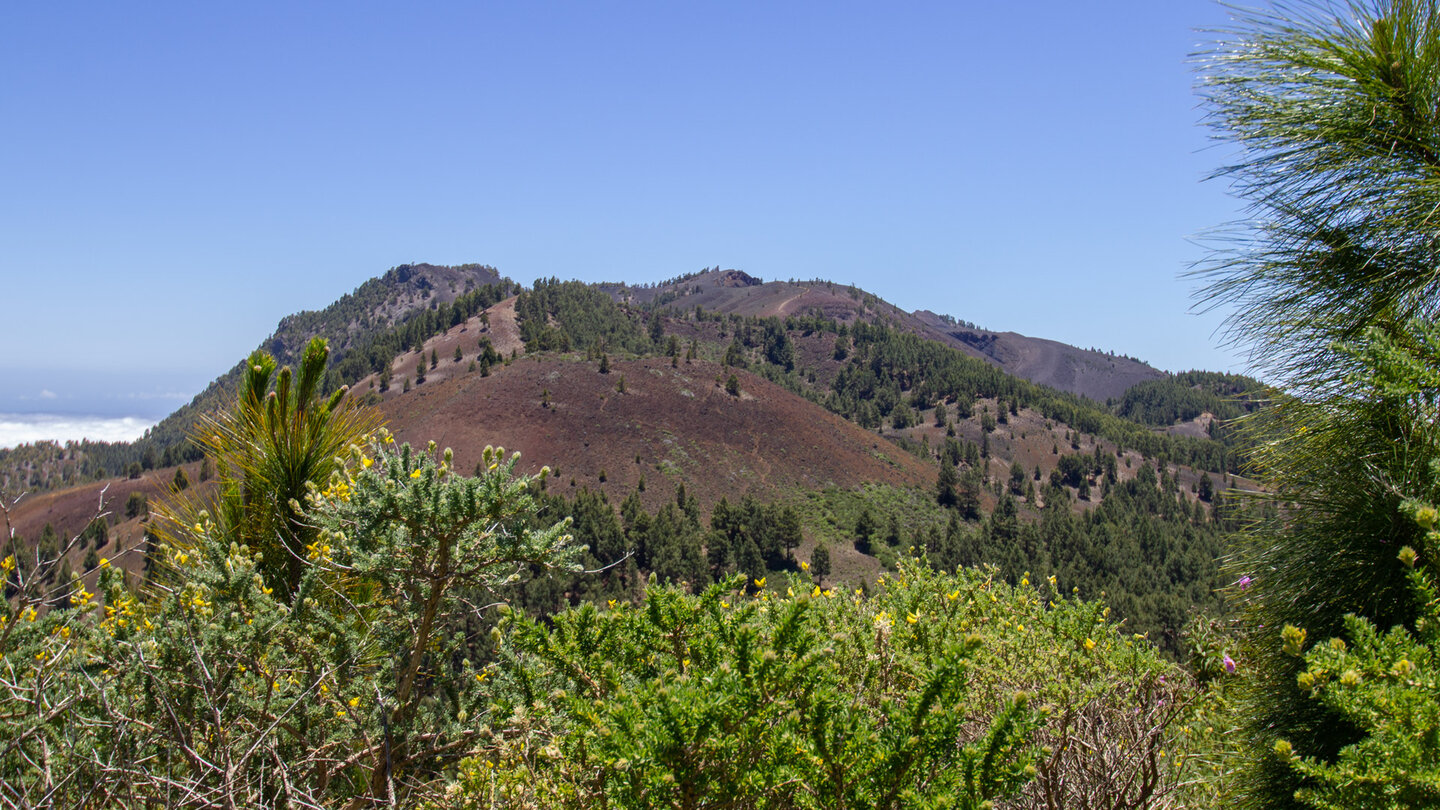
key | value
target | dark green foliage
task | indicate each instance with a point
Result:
(967, 494)
(732, 385)
(180, 482)
(864, 531)
(1182, 397)
(945, 485)
(820, 563)
(755, 537)
(735, 355)
(96, 534)
(560, 316)
(137, 505)
(1017, 478)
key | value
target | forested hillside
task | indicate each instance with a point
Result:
(1008, 473)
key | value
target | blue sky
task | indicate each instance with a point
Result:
(180, 176)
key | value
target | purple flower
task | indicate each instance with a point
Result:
(1229, 665)
(1244, 582)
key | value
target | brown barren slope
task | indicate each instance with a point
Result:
(679, 422)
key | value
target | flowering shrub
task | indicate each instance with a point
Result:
(1388, 686)
(937, 691)
(213, 690)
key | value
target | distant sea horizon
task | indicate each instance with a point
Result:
(27, 428)
(107, 405)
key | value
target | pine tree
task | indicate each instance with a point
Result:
(945, 485)
(820, 563)
(864, 531)
(281, 440)
(1333, 109)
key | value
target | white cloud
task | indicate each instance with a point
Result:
(20, 428)
(46, 393)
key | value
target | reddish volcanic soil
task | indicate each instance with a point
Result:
(679, 422)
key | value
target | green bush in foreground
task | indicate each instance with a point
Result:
(937, 691)
(215, 691)
(1382, 684)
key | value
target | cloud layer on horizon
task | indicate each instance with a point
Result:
(20, 428)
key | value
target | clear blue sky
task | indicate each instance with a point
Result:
(179, 176)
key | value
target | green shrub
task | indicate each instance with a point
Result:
(937, 691)
(217, 691)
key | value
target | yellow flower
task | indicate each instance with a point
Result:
(724, 604)
(104, 562)
(815, 592)
(612, 604)
(8, 564)
(829, 592)
(911, 617)
(953, 595)
(29, 614)
(760, 583)
(804, 566)
(415, 474)
(339, 712)
(1089, 644)
(198, 528)
(366, 461)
